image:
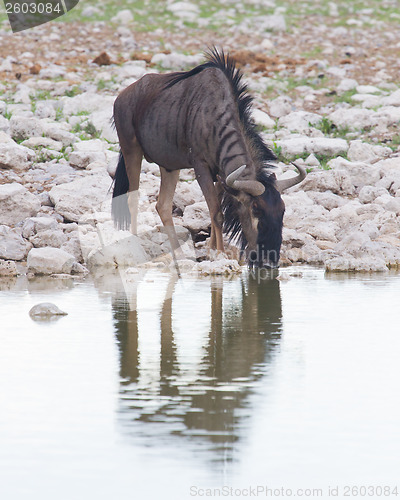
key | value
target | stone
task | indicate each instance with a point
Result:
(362, 151)
(186, 194)
(275, 22)
(8, 268)
(82, 159)
(197, 217)
(392, 100)
(22, 127)
(87, 102)
(15, 157)
(368, 194)
(45, 110)
(74, 199)
(12, 244)
(337, 181)
(263, 119)
(316, 145)
(354, 118)
(50, 260)
(125, 252)
(16, 204)
(299, 121)
(280, 106)
(59, 133)
(49, 238)
(45, 310)
(124, 17)
(360, 173)
(176, 61)
(219, 267)
(328, 200)
(347, 263)
(44, 142)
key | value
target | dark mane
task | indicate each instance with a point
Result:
(244, 100)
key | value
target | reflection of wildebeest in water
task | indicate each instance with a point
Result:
(201, 119)
(209, 397)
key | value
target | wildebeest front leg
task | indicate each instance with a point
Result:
(169, 180)
(206, 183)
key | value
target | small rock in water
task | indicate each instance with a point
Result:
(45, 311)
(218, 267)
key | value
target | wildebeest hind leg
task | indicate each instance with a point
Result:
(133, 161)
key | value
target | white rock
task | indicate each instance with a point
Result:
(8, 268)
(102, 122)
(312, 161)
(197, 217)
(353, 118)
(263, 119)
(45, 110)
(6, 139)
(90, 11)
(45, 310)
(15, 157)
(274, 22)
(299, 121)
(328, 200)
(391, 182)
(336, 181)
(50, 261)
(34, 225)
(317, 145)
(91, 145)
(16, 203)
(185, 11)
(393, 205)
(348, 263)
(23, 128)
(346, 84)
(84, 159)
(218, 267)
(125, 252)
(49, 238)
(368, 89)
(12, 245)
(59, 133)
(361, 174)
(368, 194)
(362, 151)
(186, 194)
(280, 106)
(82, 196)
(4, 125)
(88, 102)
(392, 100)
(124, 17)
(45, 142)
(176, 61)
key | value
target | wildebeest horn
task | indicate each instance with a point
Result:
(283, 184)
(254, 188)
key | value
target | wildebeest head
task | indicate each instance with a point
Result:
(253, 214)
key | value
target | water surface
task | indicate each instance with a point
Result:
(159, 387)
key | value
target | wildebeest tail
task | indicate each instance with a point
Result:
(119, 207)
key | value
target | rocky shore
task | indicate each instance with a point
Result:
(58, 151)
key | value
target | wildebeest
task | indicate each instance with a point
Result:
(201, 119)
